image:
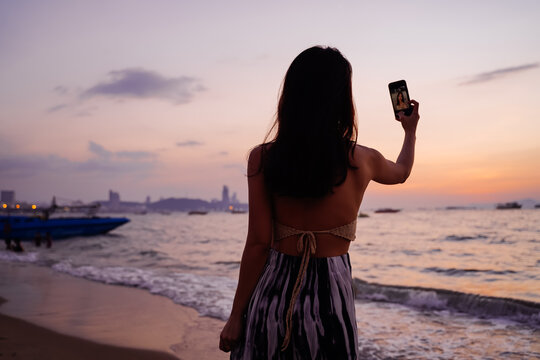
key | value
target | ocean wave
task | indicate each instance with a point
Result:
(409, 252)
(209, 295)
(91, 247)
(233, 263)
(27, 257)
(462, 272)
(464, 237)
(522, 311)
(212, 295)
(502, 241)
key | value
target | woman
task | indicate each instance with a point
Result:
(401, 104)
(294, 297)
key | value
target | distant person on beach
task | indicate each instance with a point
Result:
(7, 234)
(294, 298)
(48, 239)
(37, 239)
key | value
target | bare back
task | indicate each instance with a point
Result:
(334, 210)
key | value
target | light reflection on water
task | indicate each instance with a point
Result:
(390, 332)
(464, 250)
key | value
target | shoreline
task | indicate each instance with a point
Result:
(59, 316)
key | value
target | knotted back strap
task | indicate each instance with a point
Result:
(306, 245)
(348, 231)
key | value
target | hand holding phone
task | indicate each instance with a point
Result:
(399, 94)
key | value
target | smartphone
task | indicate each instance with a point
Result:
(399, 94)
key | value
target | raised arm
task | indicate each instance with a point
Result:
(258, 243)
(388, 172)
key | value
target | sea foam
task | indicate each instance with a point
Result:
(522, 311)
(209, 295)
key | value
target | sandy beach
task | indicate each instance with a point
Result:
(49, 315)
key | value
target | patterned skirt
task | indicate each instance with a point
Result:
(323, 321)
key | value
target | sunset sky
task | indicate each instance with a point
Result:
(166, 98)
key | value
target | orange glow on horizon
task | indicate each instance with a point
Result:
(472, 174)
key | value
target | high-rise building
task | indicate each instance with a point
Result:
(8, 197)
(114, 197)
(225, 195)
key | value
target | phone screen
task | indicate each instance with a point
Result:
(400, 97)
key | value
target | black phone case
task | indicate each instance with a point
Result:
(399, 86)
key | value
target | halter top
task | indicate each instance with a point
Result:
(306, 245)
(347, 232)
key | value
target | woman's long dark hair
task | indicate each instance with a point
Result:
(316, 128)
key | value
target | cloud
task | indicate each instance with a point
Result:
(189, 143)
(496, 74)
(145, 84)
(22, 166)
(103, 153)
(57, 108)
(78, 111)
(28, 165)
(103, 162)
(99, 150)
(61, 90)
(135, 155)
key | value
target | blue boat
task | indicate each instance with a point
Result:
(19, 227)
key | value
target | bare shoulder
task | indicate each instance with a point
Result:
(363, 155)
(367, 161)
(255, 159)
(257, 152)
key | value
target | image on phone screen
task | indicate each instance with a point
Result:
(400, 96)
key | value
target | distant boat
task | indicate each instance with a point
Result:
(238, 211)
(537, 206)
(509, 205)
(363, 215)
(197, 212)
(387, 211)
(29, 227)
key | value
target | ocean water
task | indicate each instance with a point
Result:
(429, 284)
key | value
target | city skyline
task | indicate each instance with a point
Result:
(9, 197)
(134, 205)
(165, 99)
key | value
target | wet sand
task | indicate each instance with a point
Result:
(48, 315)
(22, 340)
